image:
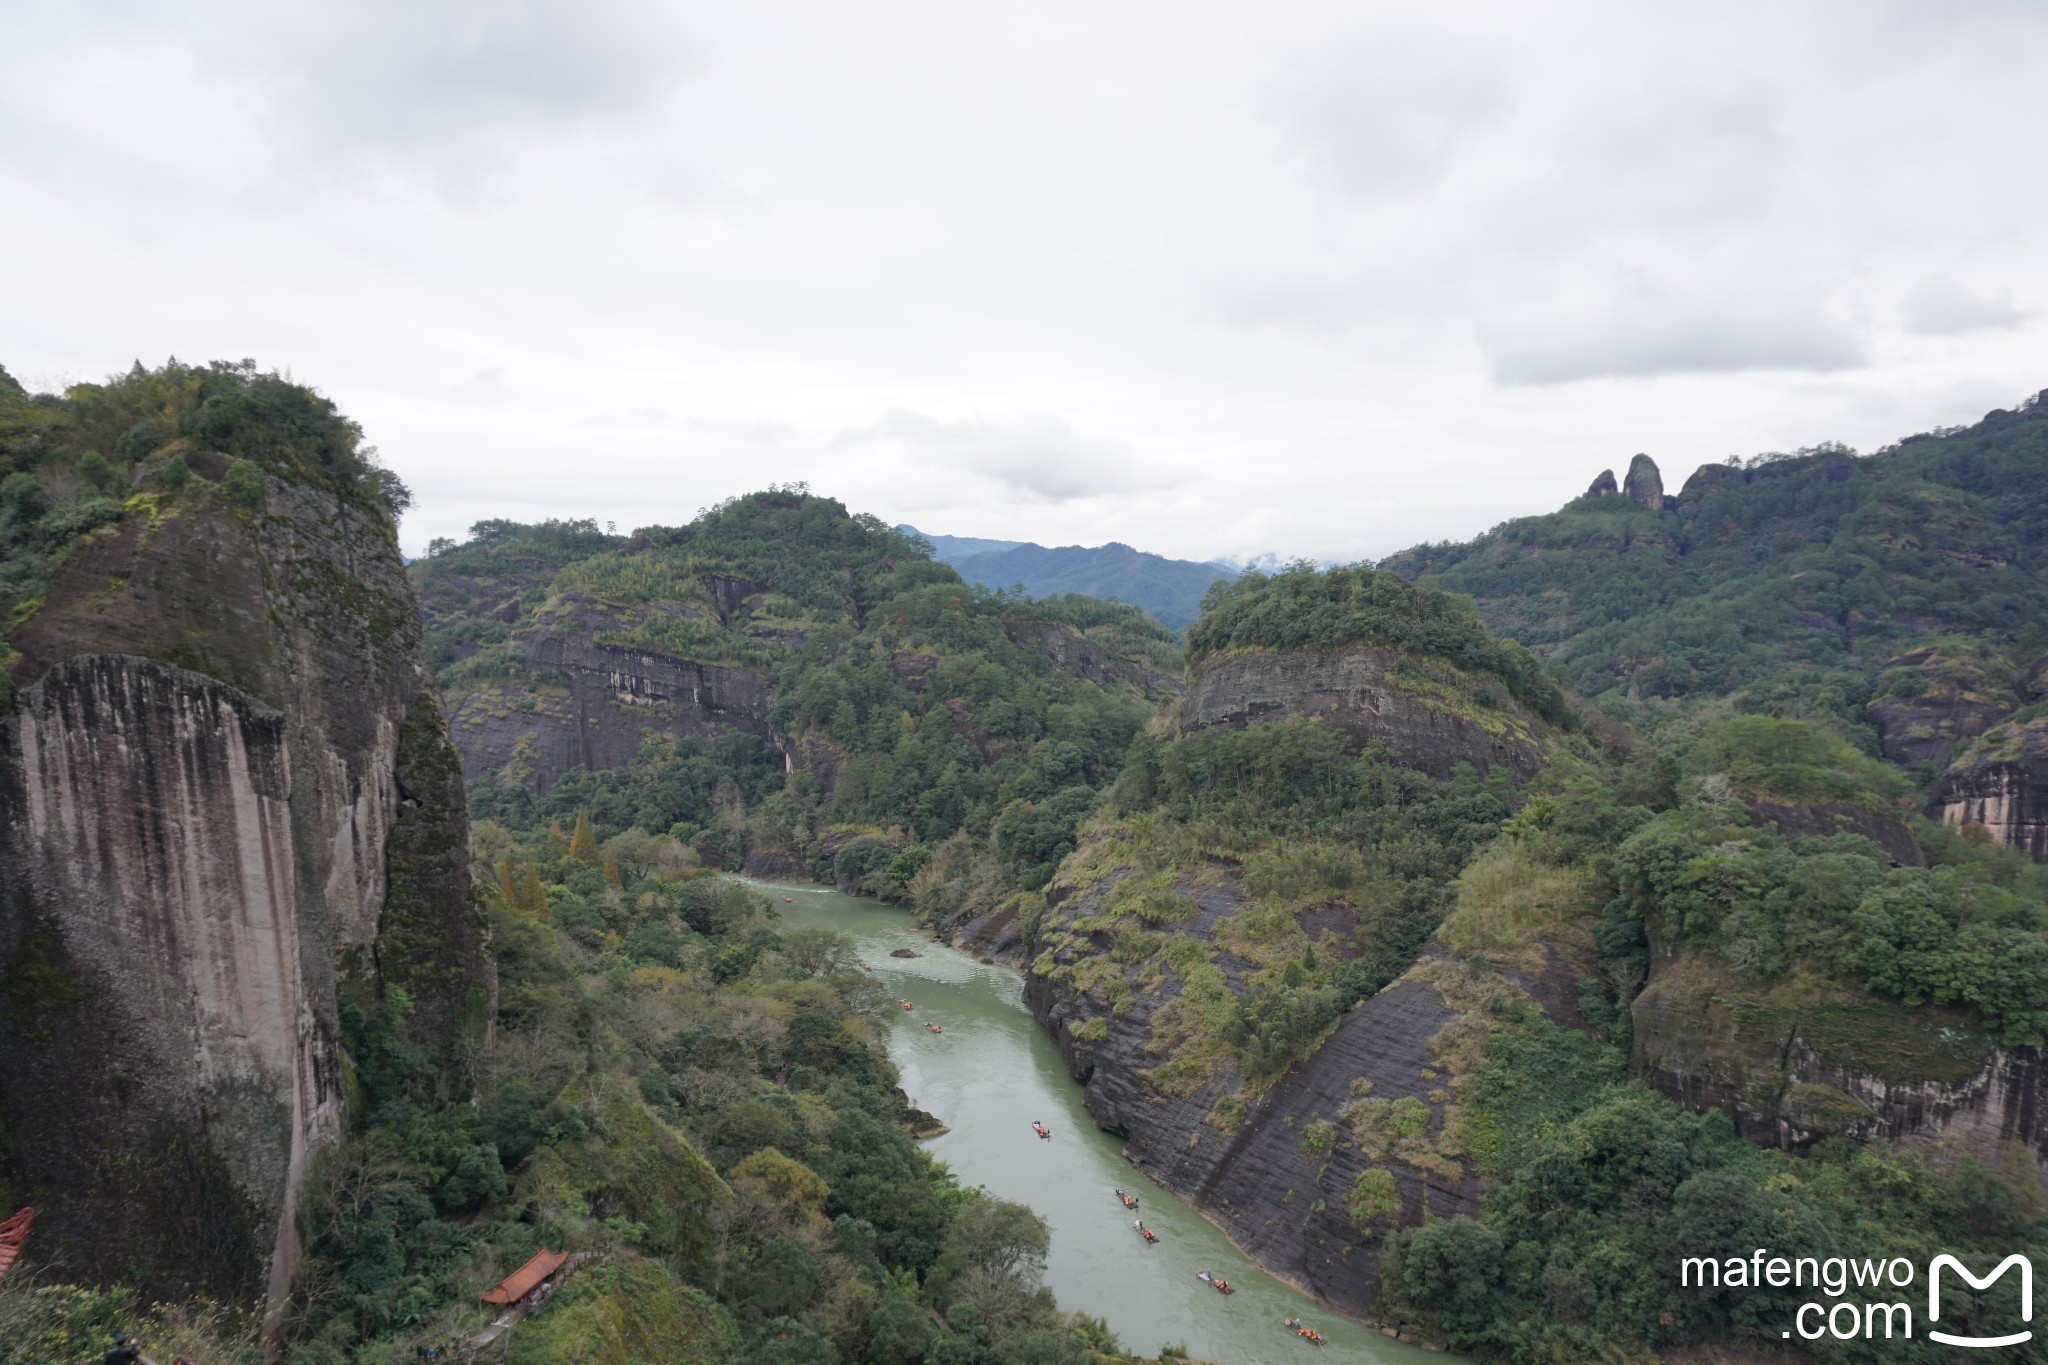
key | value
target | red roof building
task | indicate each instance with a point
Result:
(524, 1280)
(14, 1236)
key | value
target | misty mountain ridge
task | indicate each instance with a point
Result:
(1168, 590)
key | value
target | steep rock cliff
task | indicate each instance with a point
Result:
(1244, 1166)
(2001, 783)
(587, 704)
(1431, 713)
(1939, 696)
(229, 804)
(1086, 660)
(1801, 1058)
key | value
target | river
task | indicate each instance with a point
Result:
(988, 1074)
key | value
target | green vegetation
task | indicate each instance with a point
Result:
(1599, 1186)
(1274, 823)
(1807, 570)
(68, 461)
(1702, 879)
(922, 720)
(1301, 608)
(693, 1092)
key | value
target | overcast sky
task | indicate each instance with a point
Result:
(1299, 278)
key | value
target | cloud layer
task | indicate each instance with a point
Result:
(1308, 278)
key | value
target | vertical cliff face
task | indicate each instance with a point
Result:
(1800, 1059)
(229, 804)
(2001, 783)
(1248, 1171)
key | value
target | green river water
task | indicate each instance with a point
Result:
(988, 1075)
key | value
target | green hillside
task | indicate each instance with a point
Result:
(1811, 569)
(911, 706)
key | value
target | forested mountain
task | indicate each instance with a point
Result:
(1168, 590)
(777, 635)
(286, 1073)
(1818, 566)
(1466, 936)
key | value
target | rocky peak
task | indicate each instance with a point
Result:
(1604, 486)
(1709, 478)
(1644, 484)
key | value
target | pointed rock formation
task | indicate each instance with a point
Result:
(1604, 486)
(1644, 484)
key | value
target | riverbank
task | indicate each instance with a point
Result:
(989, 1074)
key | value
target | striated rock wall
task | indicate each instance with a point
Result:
(1798, 1060)
(612, 699)
(2003, 786)
(154, 829)
(226, 803)
(1285, 1207)
(1431, 714)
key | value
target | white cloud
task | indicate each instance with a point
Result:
(1033, 455)
(1634, 325)
(1938, 306)
(1307, 278)
(1384, 113)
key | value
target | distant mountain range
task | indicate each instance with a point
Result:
(1168, 590)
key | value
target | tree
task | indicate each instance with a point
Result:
(1450, 1268)
(244, 485)
(583, 843)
